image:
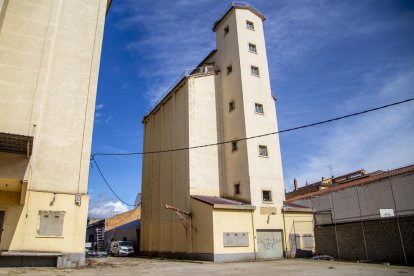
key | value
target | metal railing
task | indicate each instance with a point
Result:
(237, 4)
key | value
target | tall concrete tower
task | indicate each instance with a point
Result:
(49, 62)
(247, 109)
(227, 198)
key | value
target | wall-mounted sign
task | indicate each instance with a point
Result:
(231, 239)
(386, 213)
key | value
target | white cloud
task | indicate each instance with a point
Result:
(107, 120)
(106, 209)
(378, 140)
(172, 41)
(99, 106)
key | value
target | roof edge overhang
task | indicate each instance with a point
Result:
(296, 210)
(174, 88)
(234, 7)
(108, 6)
(16, 143)
(240, 207)
(179, 84)
(212, 53)
(234, 207)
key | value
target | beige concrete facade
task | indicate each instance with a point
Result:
(49, 62)
(197, 112)
(299, 234)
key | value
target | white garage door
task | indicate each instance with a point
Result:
(269, 244)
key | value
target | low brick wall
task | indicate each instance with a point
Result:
(381, 236)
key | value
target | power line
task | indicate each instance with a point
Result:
(258, 136)
(109, 186)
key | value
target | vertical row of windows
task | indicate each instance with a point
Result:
(262, 149)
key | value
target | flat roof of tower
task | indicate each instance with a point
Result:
(238, 5)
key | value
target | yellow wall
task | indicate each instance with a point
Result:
(202, 221)
(299, 223)
(12, 171)
(232, 221)
(21, 223)
(165, 176)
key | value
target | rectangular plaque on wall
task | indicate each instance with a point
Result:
(234, 239)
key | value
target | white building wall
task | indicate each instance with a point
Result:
(203, 162)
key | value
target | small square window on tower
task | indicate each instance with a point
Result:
(263, 151)
(254, 70)
(258, 108)
(237, 190)
(232, 106)
(252, 48)
(229, 69)
(226, 29)
(249, 25)
(267, 196)
(234, 146)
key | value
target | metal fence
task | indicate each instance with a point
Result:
(350, 223)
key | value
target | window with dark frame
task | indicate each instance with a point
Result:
(232, 106)
(252, 48)
(258, 108)
(249, 25)
(237, 190)
(267, 196)
(234, 146)
(263, 151)
(254, 70)
(226, 29)
(229, 69)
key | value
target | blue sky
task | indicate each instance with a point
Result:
(326, 59)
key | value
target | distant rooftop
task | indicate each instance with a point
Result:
(238, 5)
(369, 178)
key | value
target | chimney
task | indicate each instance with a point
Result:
(295, 184)
(323, 178)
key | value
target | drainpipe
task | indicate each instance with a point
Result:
(284, 230)
(254, 238)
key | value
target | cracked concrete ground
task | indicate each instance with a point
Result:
(142, 266)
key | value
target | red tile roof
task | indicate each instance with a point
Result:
(366, 180)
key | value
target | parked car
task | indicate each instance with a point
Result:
(122, 248)
(95, 254)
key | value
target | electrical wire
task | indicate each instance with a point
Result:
(109, 186)
(225, 142)
(258, 136)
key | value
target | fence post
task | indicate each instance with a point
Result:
(336, 234)
(398, 222)
(362, 223)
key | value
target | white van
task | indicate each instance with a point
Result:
(122, 248)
